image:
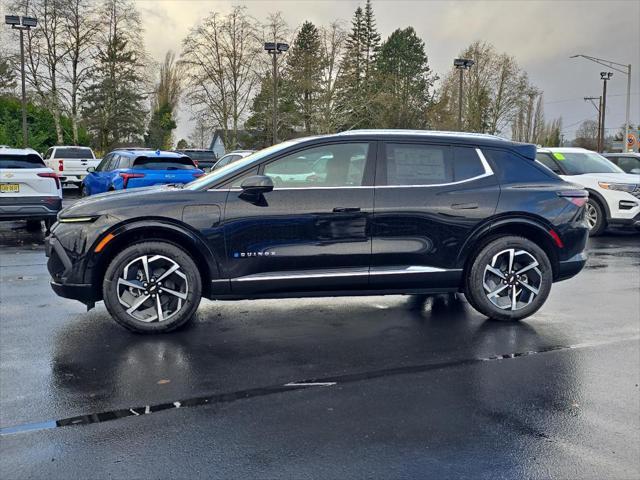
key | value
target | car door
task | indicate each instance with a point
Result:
(99, 181)
(428, 198)
(312, 232)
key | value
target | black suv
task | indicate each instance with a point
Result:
(356, 213)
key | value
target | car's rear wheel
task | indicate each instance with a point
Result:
(152, 287)
(83, 190)
(510, 278)
(596, 220)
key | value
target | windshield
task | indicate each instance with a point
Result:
(215, 175)
(577, 163)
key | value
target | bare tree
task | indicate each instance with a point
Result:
(219, 57)
(587, 135)
(45, 52)
(333, 41)
(80, 28)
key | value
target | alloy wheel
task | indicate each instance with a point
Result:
(591, 215)
(512, 280)
(152, 288)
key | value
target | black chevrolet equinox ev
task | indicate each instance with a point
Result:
(356, 213)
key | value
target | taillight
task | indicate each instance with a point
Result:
(577, 197)
(51, 175)
(61, 165)
(127, 176)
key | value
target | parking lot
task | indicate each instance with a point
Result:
(385, 387)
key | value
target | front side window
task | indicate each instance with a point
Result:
(102, 166)
(629, 164)
(414, 164)
(336, 165)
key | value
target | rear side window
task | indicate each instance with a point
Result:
(21, 161)
(414, 164)
(512, 168)
(74, 153)
(159, 163)
(466, 164)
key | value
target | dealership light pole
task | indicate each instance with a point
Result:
(22, 24)
(274, 49)
(461, 64)
(606, 76)
(618, 67)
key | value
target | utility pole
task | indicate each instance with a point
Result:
(22, 24)
(605, 76)
(461, 64)
(622, 68)
(599, 110)
(274, 49)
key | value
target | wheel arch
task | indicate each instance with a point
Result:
(529, 228)
(152, 230)
(602, 201)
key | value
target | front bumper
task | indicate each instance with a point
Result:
(571, 267)
(626, 222)
(21, 208)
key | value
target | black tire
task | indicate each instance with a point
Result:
(181, 310)
(594, 206)
(475, 290)
(83, 191)
(34, 225)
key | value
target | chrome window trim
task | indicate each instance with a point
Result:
(378, 271)
(488, 171)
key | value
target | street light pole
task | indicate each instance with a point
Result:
(461, 64)
(22, 23)
(274, 49)
(605, 76)
(622, 68)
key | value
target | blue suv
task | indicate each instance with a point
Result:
(125, 169)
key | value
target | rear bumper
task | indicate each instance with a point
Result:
(71, 178)
(571, 267)
(19, 208)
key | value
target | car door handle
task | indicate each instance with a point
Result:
(346, 209)
(464, 206)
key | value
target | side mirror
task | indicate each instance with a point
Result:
(91, 169)
(257, 184)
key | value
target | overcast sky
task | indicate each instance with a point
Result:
(540, 34)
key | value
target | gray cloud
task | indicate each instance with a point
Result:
(540, 34)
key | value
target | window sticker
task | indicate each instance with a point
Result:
(558, 156)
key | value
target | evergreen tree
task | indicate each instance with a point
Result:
(165, 101)
(304, 71)
(113, 103)
(356, 82)
(403, 82)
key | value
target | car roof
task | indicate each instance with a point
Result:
(19, 151)
(149, 153)
(193, 150)
(71, 146)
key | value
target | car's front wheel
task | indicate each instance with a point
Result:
(152, 287)
(510, 278)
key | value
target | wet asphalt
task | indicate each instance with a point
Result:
(362, 387)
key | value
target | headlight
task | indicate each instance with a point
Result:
(621, 187)
(76, 219)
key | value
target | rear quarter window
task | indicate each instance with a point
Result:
(159, 163)
(512, 168)
(21, 161)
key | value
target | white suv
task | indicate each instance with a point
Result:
(28, 189)
(614, 196)
(71, 163)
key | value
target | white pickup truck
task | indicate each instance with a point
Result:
(70, 163)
